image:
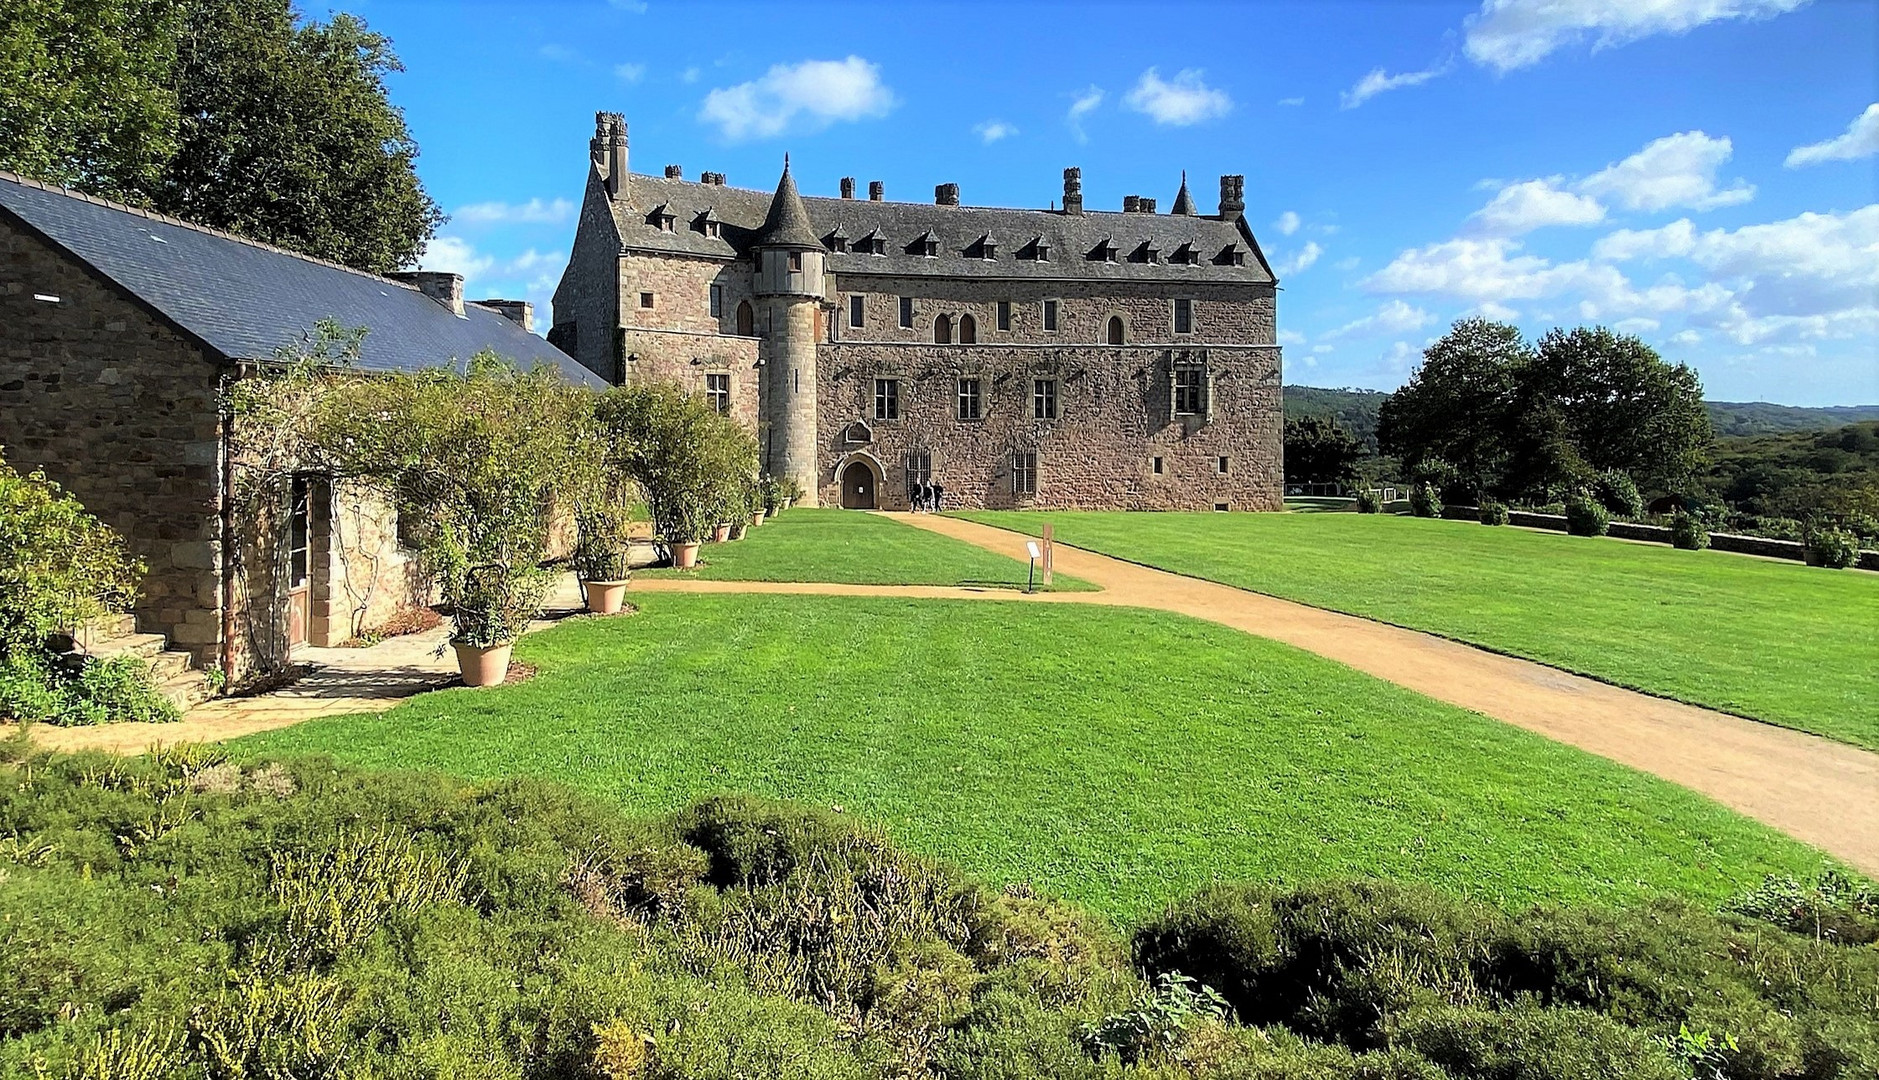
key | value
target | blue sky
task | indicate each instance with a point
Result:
(1699, 172)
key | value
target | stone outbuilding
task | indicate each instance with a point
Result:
(120, 332)
(1050, 358)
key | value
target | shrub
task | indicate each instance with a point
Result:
(1586, 517)
(1159, 1024)
(1833, 548)
(1688, 533)
(690, 462)
(1425, 501)
(1493, 513)
(1833, 907)
(59, 566)
(1528, 1041)
(603, 543)
(1618, 493)
(1369, 501)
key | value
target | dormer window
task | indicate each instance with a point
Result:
(663, 219)
(1038, 250)
(837, 242)
(1231, 255)
(871, 244)
(1104, 251)
(1185, 255)
(983, 248)
(926, 246)
(1144, 253)
(707, 222)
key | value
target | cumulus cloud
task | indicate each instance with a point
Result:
(1184, 100)
(532, 212)
(993, 130)
(1379, 81)
(1394, 317)
(629, 73)
(1494, 270)
(1288, 223)
(454, 255)
(1861, 140)
(1301, 260)
(1509, 34)
(1533, 204)
(1674, 171)
(807, 97)
(1085, 103)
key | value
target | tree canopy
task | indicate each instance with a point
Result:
(1319, 451)
(235, 114)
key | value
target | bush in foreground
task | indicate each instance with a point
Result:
(1618, 493)
(1369, 501)
(185, 915)
(1586, 517)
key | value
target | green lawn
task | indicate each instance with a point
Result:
(854, 548)
(1116, 757)
(1790, 644)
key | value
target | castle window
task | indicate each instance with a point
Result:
(1044, 399)
(756, 261)
(887, 399)
(906, 313)
(1050, 316)
(746, 320)
(1155, 463)
(795, 262)
(717, 301)
(1104, 251)
(1024, 472)
(718, 393)
(1190, 390)
(1221, 465)
(970, 402)
(968, 330)
(919, 468)
(714, 228)
(856, 305)
(1184, 316)
(943, 330)
(645, 300)
(1004, 315)
(1117, 333)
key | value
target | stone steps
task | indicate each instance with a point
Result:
(173, 671)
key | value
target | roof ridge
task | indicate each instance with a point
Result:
(210, 230)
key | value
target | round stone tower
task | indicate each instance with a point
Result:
(789, 290)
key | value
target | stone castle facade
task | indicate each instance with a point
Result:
(1063, 358)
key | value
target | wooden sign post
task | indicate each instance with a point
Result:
(1048, 553)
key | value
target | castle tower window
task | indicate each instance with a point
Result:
(970, 402)
(1050, 316)
(718, 393)
(1004, 315)
(906, 313)
(943, 330)
(1024, 472)
(887, 399)
(1190, 390)
(1117, 333)
(795, 262)
(857, 306)
(746, 320)
(717, 301)
(645, 300)
(1043, 399)
(1183, 316)
(968, 330)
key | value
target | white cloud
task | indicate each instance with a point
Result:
(1636, 325)
(1493, 271)
(1861, 140)
(454, 255)
(1509, 34)
(1085, 103)
(1349, 263)
(1533, 204)
(1291, 101)
(690, 75)
(1676, 170)
(1288, 223)
(1323, 349)
(807, 96)
(1291, 337)
(532, 212)
(629, 73)
(1300, 261)
(1378, 82)
(1497, 312)
(993, 130)
(1185, 100)
(1394, 317)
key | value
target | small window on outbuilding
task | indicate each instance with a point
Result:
(645, 300)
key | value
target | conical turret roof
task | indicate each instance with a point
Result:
(1183, 202)
(788, 222)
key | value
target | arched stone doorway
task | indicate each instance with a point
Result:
(860, 486)
(1117, 332)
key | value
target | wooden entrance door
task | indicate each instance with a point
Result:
(858, 487)
(299, 550)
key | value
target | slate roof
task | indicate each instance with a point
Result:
(957, 229)
(247, 300)
(787, 224)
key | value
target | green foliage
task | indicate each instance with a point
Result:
(1319, 451)
(1493, 513)
(59, 566)
(1834, 548)
(1729, 419)
(1457, 405)
(236, 114)
(1687, 532)
(603, 542)
(1616, 492)
(1350, 408)
(1829, 476)
(1624, 408)
(1369, 501)
(1586, 516)
(1159, 1025)
(1425, 500)
(1833, 907)
(692, 464)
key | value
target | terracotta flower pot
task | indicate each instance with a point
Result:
(685, 556)
(738, 528)
(721, 532)
(605, 597)
(483, 665)
(757, 518)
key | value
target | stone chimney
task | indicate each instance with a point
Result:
(519, 312)
(1131, 204)
(1145, 205)
(946, 195)
(1073, 190)
(610, 147)
(715, 179)
(848, 187)
(675, 172)
(1232, 196)
(876, 191)
(441, 286)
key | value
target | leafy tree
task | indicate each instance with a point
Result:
(692, 464)
(1621, 405)
(1319, 451)
(1457, 405)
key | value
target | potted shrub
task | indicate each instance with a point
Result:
(1369, 501)
(770, 492)
(490, 606)
(600, 557)
(1493, 513)
(683, 455)
(1585, 516)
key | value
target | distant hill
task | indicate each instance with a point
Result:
(1357, 411)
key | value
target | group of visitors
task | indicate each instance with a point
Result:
(925, 497)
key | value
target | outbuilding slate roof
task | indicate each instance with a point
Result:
(956, 228)
(247, 300)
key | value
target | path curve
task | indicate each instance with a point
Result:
(1823, 792)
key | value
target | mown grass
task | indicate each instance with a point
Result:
(1116, 757)
(1789, 644)
(854, 548)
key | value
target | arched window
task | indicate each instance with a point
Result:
(1116, 331)
(746, 319)
(943, 330)
(968, 330)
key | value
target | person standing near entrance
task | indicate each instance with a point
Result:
(938, 494)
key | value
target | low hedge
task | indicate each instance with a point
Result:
(1833, 548)
(1585, 517)
(1688, 533)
